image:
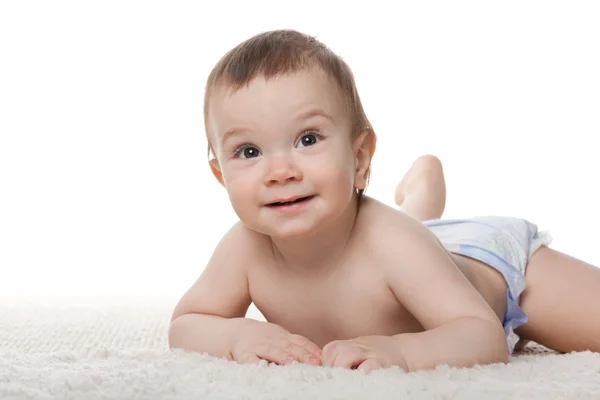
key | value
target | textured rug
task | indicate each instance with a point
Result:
(121, 352)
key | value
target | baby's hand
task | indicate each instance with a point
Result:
(259, 340)
(365, 353)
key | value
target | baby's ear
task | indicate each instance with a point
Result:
(364, 148)
(216, 170)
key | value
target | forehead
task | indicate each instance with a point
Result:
(273, 102)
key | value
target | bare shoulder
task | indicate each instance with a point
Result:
(243, 242)
(418, 269)
(222, 287)
(385, 227)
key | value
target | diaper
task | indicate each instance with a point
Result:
(503, 243)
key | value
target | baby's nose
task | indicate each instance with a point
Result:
(282, 169)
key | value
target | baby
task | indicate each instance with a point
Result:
(342, 279)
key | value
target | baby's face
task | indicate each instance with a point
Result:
(288, 139)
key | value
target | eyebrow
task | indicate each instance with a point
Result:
(315, 112)
(232, 132)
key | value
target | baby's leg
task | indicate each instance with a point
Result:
(562, 302)
(422, 191)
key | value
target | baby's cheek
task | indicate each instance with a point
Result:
(342, 178)
(240, 194)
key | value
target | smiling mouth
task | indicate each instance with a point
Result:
(287, 203)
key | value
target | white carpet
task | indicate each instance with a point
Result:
(107, 352)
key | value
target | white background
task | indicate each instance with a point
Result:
(105, 190)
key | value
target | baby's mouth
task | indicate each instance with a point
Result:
(287, 203)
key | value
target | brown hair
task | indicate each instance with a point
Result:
(274, 53)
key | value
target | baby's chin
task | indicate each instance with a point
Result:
(288, 231)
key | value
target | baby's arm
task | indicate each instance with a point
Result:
(210, 316)
(214, 307)
(460, 328)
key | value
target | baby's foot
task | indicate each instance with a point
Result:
(422, 191)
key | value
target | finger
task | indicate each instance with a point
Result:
(369, 365)
(276, 355)
(306, 344)
(302, 354)
(349, 358)
(327, 354)
(295, 347)
(248, 358)
(333, 350)
(345, 355)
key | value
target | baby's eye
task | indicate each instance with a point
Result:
(310, 138)
(246, 151)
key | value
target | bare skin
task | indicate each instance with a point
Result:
(349, 300)
(561, 295)
(321, 309)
